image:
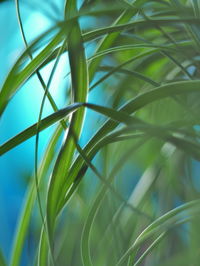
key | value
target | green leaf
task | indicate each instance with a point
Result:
(31, 131)
(17, 77)
(24, 219)
(163, 221)
(79, 78)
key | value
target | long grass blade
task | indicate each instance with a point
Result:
(29, 200)
(32, 130)
(164, 220)
(79, 77)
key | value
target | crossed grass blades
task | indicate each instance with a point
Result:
(146, 62)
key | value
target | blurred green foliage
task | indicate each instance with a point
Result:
(130, 195)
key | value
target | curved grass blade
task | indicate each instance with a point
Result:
(139, 23)
(128, 72)
(46, 93)
(32, 130)
(17, 77)
(130, 47)
(79, 77)
(162, 221)
(157, 241)
(37, 146)
(149, 249)
(43, 249)
(29, 200)
(38, 125)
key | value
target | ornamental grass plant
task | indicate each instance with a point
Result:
(118, 181)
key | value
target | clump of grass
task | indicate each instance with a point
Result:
(113, 200)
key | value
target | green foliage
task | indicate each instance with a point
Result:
(148, 52)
